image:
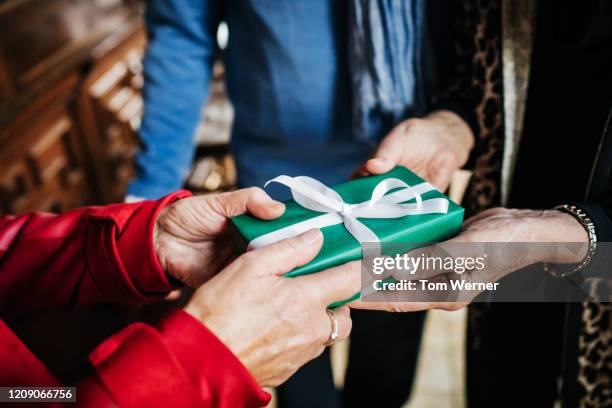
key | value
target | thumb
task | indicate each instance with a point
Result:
(253, 200)
(389, 152)
(286, 255)
(334, 284)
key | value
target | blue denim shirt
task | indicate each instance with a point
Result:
(287, 77)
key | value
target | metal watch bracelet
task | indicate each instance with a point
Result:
(563, 271)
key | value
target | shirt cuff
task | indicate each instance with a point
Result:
(122, 255)
(203, 356)
(136, 246)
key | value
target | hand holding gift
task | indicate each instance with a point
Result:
(272, 324)
(433, 147)
(394, 207)
(524, 228)
(192, 239)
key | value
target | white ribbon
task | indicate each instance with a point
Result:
(316, 196)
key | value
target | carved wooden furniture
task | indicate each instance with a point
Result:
(69, 103)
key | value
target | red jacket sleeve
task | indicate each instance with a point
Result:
(107, 254)
(81, 256)
(179, 363)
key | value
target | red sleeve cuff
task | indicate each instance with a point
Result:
(203, 356)
(136, 246)
(122, 253)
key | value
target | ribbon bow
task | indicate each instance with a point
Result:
(316, 196)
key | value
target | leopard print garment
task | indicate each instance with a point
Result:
(595, 356)
(477, 85)
(483, 191)
(480, 84)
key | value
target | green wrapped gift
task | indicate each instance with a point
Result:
(396, 207)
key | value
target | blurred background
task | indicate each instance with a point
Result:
(70, 108)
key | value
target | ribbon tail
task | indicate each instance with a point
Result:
(363, 234)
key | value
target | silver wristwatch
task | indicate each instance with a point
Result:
(582, 217)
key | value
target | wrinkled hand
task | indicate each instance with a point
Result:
(525, 228)
(192, 238)
(273, 324)
(511, 225)
(433, 147)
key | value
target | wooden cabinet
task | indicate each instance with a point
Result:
(41, 40)
(69, 101)
(110, 108)
(43, 167)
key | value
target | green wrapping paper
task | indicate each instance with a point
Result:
(339, 245)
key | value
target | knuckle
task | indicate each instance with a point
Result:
(453, 307)
(348, 328)
(254, 191)
(292, 246)
(395, 307)
(412, 125)
(446, 156)
(220, 203)
(448, 307)
(287, 251)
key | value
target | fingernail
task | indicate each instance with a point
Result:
(312, 237)
(278, 206)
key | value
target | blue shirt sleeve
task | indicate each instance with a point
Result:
(177, 70)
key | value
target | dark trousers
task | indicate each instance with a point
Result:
(381, 368)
